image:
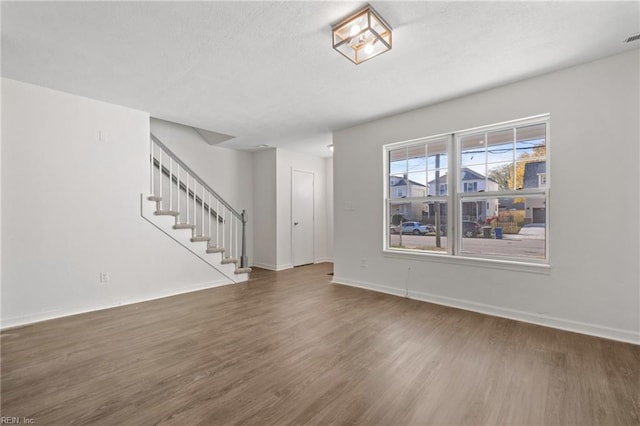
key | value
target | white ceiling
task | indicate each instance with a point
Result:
(265, 72)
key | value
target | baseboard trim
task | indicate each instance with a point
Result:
(10, 323)
(621, 335)
(287, 266)
(263, 266)
(283, 267)
(368, 286)
(271, 267)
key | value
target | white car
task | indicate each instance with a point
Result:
(534, 231)
(415, 228)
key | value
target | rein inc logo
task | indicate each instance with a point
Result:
(8, 420)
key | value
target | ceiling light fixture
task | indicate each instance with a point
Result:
(362, 35)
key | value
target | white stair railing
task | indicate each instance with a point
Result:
(180, 192)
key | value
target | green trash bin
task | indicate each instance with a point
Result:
(498, 233)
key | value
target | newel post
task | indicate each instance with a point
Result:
(243, 258)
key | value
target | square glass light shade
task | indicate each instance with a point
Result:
(362, 36)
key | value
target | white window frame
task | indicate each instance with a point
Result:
(456, 195)
(433, 198)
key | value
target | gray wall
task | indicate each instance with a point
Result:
(264, 200)
(592, 285)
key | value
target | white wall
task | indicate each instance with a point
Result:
(265, 207)
(593, 283)
(329, 197)
(71, 209)
(1, 173)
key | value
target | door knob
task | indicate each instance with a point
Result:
(295, 223)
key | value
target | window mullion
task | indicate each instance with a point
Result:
(513, 160)
(452, 194)
(486, 160)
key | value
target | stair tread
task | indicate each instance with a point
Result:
(243, 270)
(215, 250)
(229, 260)
(183, 226)
(155, 198)
(200, 238)
(166, 213)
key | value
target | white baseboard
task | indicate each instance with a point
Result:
(60, 313)
(271, 267)
(627, 336)
(368, 286)
(284, 266)
(263, 266)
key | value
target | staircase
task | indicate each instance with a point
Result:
(185, 208)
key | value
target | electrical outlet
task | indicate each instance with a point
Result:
(103, 136)
(104, 277)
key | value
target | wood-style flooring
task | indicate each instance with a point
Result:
(291, 348)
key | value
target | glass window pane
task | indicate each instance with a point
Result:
(416, 158)
(531, 142)
(489, 223)
(398, 161)
(529, 174)
(500, 177)
(500, 146)
(473, 150)
(473, 179)
(437, 182)
(397, 186)
(417, 185)
(506, 227)
(418, 225)
(437, 155)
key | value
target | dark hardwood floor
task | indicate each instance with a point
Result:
(290, 348)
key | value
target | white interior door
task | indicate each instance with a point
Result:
(302, 217)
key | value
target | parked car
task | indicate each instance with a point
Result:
(415, 228)
(533, 231)
(432, 229)
(471, 228)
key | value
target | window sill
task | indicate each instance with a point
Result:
(509, 265)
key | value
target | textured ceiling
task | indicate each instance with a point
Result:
(265, 72)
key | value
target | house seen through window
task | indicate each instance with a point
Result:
(477, 193)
